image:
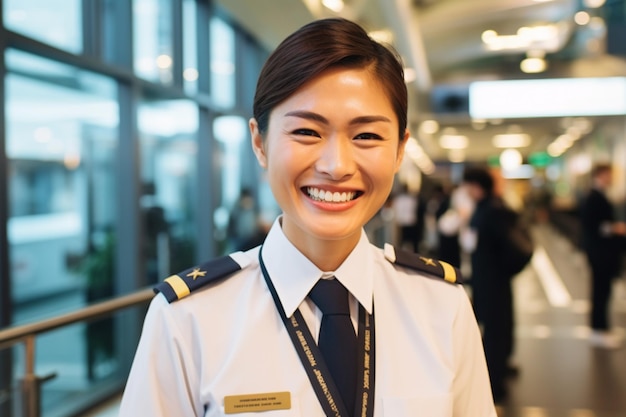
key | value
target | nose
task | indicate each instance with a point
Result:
(337, 158)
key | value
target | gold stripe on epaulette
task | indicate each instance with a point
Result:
(449, 274)
(178, 285)
(390, 252)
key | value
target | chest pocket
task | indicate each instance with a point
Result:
(432, 405)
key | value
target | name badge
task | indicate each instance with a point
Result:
(250, 403)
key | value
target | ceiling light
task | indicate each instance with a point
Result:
(565, 140)
(533, 65)
(594, 3)
(554, 150)
(583, 124)
(334, 5)
(190, 74)
(582, 18)
(510, 159)
(479, 124)
(511, 140)
(520, 172)
(416, 154)
(164, 61)
(453, 141)
(429, 127)
(381, 36)
(489, 36)
(580, 164)
(545, 37)
(409, 75)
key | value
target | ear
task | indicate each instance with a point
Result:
(258, 143)
(401, 147)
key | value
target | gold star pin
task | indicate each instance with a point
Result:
(196, 273)
(428, 261)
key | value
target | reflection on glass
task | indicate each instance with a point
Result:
(168, 140)
(152, 40)
(222, 63)
(61, 144)
(55, 22)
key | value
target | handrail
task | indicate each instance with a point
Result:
(26, 333)
(12, 335)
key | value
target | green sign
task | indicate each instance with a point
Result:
(539, 159)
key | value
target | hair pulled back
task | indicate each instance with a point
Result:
(318, 46)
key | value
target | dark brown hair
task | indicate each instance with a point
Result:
(318, 46)
(481, 177)
(600, 168)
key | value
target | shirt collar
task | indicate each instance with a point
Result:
(294, 275)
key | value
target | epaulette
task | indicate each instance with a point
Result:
(184, 283)
(420, 263)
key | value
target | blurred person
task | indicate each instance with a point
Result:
(492, 294)
(240, 333)
(449, 223)
(601, 243)
(405, 207)
(245, 226)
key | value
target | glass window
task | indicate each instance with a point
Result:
(168, 136)
(222, 63)
(56, 22)
(190, 47)
(244, 209)
(62, 127)
(152, 40)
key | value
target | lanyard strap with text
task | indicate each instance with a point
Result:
(316, 369)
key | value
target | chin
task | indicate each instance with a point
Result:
(335, 232)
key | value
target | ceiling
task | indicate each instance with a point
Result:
(441, 41)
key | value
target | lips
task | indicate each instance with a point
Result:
(331, 196)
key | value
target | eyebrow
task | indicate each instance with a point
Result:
(303, 114)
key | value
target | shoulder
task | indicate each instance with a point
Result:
(180, 285)
(430, 267)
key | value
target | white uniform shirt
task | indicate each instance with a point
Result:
(228, 339)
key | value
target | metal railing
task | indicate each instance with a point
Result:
(31, 383)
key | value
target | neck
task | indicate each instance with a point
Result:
(327, 255)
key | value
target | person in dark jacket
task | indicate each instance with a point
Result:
(601, 243)
(491, 285)
(448, 248)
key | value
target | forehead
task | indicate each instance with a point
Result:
(342, 86)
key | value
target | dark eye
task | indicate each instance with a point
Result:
(305, 132)
(368, 136)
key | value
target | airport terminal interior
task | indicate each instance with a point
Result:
(125, 157)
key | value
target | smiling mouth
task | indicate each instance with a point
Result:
(330, 196)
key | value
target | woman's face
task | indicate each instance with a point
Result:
(331, 152)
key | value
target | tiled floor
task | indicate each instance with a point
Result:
(562, 375)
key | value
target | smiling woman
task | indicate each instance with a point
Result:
(329, 128)
(337, 135)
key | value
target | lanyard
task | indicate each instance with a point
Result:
(315, 367)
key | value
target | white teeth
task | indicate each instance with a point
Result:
(329, 196)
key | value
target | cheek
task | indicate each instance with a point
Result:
(381, 164)
(290, 156)
(283, 164)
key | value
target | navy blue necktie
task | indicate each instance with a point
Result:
(337, 340)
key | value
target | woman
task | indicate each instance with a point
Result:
(329, 126)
